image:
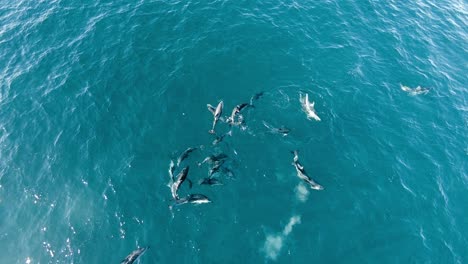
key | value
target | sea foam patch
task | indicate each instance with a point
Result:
(302, 193)
(274, 243)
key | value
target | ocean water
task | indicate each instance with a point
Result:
(96, 98)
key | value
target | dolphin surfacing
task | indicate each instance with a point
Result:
(216, 114)
(301, 173)
(134, 255)
(308, 107)
(416, 91)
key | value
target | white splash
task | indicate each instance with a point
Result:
(274, 243)
(416, 91)
(302, 193)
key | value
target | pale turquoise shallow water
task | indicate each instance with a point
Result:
(97, 97)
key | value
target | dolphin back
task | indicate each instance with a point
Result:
(134, 255)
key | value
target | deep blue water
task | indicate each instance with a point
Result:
(97, 97)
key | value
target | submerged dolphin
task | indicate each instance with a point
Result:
(277, 130)
(308, 107)
(210, 181)
(255, 97)
(216, 114)
(185, 155)
(214, 158)
(194, 199)
(216, 168)
(416, 91)
(218, 139)
(180, 179)
(134, 255)
(228, 172)
(301, 173)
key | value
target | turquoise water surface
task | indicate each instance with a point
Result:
(97, 97)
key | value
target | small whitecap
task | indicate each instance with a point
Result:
(69, 248)
(423, 237)
(73, 229)
(138, 220)
(36, 198)
(48, 248)
(406, 187)
(84, 182)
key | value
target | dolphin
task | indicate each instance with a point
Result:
(416, 91)
(216, 114)
(301, 173)
(210, 181)
(194, 199)
(214, 158)
(134, 255)
(255, 97)
(308, 107)
(235, 111)
(180, 179)
(185, 155)
(216, 167)
(280, 130)
(218, 139)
